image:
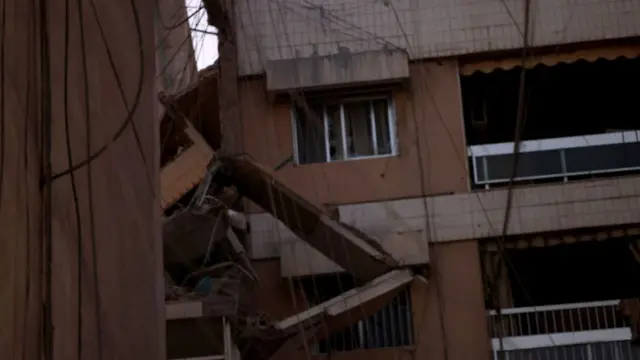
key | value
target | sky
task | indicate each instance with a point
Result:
(205, 45)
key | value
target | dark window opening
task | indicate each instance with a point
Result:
(310, 135)
(580, 98)
(589, 108)
(573, 273)
(587, 289)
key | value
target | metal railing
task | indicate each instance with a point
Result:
(557, 158)
(391, 326)
(594, 331)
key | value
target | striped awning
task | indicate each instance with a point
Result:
(591, 55)
(547, 240)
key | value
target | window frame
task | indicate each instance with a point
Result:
(392, 128)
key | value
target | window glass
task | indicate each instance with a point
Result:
(344, 130)
(310, 135)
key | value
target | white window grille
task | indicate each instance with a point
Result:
(356, 128)
(589, 331)
(391, 326)
(557, 158)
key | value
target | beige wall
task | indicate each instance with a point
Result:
(433, 100)
(401, 226)
(270, 30)
(113, 287)
(430, 137)
(460, 304)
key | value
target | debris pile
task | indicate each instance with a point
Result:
(205, 249)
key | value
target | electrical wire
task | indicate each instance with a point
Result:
(432, 251)
(88, 136)
(290, 282)
(174, 112)
(136, 102)
(122, 94)
(204, 31)
(483, 208)
(192, 58)
(440, 116)
(91, 157)
(298, 97)
(181, 22)
(167, 33)
(47, 264)
(177, 51)
(516, 151)
(27, 200)
(3, 32)
(45, 338)
(74, 189)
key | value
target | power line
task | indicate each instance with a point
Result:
(299, 99)
(129, 117)
(3, 33)
(182, 21)
(45, 117)
(88, 135)
(432, 254)
(121, 87)
(74, 189)
(451, 139)
(27, 202)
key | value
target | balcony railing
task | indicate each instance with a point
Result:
(593, 331)
(557, 158)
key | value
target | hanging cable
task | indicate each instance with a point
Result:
(88, 136)
(129, 117)
(74, 189)
(45, 118)
(27, 200)
(3, 32)
(514, 169)
(181, 22)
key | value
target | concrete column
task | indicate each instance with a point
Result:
(104, 275)
(463, 332)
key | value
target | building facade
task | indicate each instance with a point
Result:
(398, 117)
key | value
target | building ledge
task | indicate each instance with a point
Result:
(400, 226)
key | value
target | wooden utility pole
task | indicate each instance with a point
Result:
(81, 256)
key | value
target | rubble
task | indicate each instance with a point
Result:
(208, 271)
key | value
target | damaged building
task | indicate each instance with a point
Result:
(386, 183)
(354, 179)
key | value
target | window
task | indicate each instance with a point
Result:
(351, 129)
(391, 326)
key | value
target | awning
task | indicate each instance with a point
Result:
(591, 55)
(541, 241)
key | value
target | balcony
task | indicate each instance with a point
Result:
(558, 158)
(593, 331)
